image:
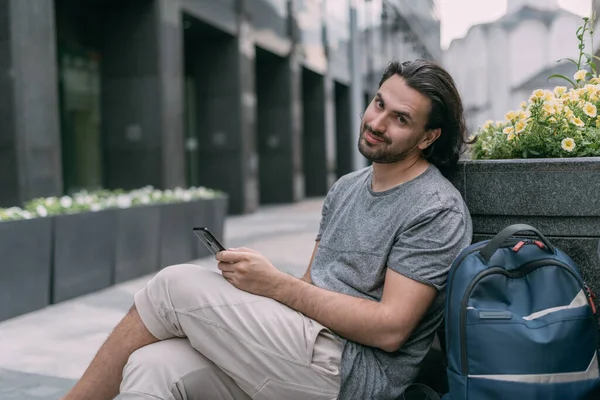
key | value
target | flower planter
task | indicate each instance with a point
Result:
(176, 245)
(137, 242)
(84, 253)
(25, 251)
(560, 197)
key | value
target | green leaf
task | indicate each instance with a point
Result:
(525, 153)
(562, 77)
(569, 59)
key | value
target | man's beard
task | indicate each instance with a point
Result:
(385, 154)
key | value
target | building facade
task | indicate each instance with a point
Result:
(497, 65)
(258, 98)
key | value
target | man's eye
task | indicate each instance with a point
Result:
(379, 104)
(401, 119)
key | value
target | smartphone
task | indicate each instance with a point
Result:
(209, 240)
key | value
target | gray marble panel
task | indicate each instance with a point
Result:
(558, 187)
(548, 225)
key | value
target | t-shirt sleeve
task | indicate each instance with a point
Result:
(425, 251)
(326, 211)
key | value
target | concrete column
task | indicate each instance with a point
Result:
(345, 142)
(314, 139)
(142, 92)
(30, 163)
(278, 92)
(226, 114)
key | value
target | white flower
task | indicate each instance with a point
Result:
(41, 210)
(95, 207)
(187, 196)
(568, 144)
(66, 202)
(145, 199)
(49, 201)
(124, 201)
(580, 75)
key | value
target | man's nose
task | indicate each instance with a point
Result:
(378, 123)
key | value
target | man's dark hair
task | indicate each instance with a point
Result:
(446, 112)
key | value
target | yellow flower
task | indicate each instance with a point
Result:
(548, 95)
(499, 124)
(508, 130)
(568, 144)
(560, 90)
(510, 136)
(539, 93)
(569, 113)
(549, 108)
(523, 105)
(577, 122)
(520, 126)
(511, 115)
(590, 110)
(591, 89)
(595, 80)
(580, 75)
(487, 124)
(552, 120)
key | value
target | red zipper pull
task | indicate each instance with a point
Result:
(591, 297)
(518, 246)
(539, 244)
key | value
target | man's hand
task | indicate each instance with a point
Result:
(250, 271)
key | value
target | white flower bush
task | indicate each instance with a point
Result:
(92, 201)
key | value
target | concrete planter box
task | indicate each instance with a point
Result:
(137, 245)
(84, 253)
(26, 257)
(560, 197)
(176, 244)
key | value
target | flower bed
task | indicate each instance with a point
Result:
(91, 240)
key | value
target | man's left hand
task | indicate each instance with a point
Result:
(250, 271)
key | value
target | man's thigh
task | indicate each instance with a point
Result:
(267, 348)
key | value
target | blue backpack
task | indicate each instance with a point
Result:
(520, 323)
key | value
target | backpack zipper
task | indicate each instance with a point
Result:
(515, 273)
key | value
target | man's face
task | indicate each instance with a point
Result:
(393, 126)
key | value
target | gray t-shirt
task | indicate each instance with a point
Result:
(416, 229)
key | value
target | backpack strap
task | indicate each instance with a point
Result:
(418, 391)
(488, 251)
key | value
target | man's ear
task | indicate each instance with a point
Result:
(430, 136)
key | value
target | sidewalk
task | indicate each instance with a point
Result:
(44, 352)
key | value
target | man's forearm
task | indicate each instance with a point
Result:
(360, 320)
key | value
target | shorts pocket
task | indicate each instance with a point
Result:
(274, 389)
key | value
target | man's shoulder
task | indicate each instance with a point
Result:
(442, 194)
(351, 178)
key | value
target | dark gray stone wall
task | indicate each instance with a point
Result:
(343, 131)
(226, 114)
(143, 96)
(314, 146)
(29, 138)
(278, 129)
(559, 197)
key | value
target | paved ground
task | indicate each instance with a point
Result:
(44, 352)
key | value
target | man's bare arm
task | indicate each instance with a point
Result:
(386, 324)
(306, 276)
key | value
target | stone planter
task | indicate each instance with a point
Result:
(560, 197)
(137, 246)
(26, 254)
(84, 253)
(176, 245)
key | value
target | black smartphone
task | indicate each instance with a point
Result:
(209, 240)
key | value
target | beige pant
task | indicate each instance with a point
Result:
(235, 345)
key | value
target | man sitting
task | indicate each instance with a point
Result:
(363, 317)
